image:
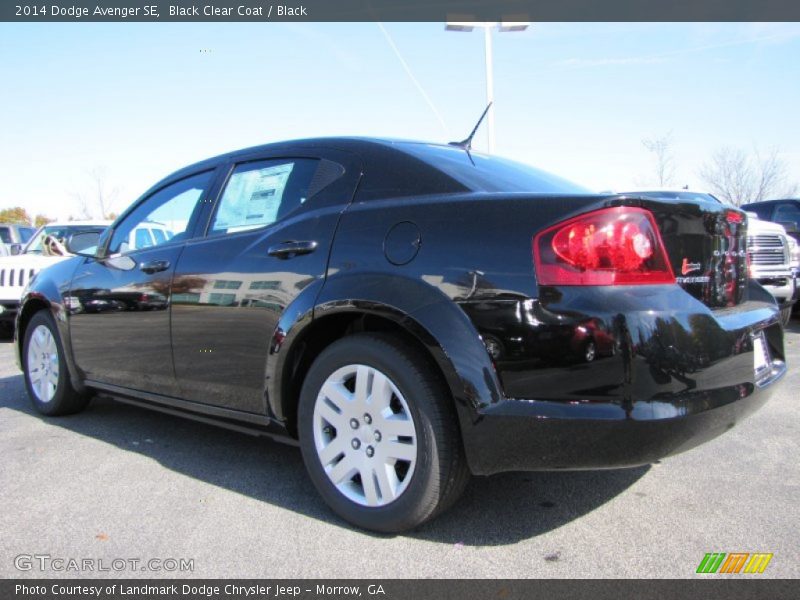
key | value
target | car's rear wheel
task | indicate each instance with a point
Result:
(379, 435)
(46, 375)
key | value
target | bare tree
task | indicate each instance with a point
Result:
(97, 199)
(772, 176)
(738, 178)
(661, 148)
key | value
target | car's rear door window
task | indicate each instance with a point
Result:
(260, 193)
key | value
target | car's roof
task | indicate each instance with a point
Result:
(355, 144)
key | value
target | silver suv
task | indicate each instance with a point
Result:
(13, 236)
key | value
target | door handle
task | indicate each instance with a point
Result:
(154, 266)
(291, 249)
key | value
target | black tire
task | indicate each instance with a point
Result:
(589, 351)
(440, 471)
(65, 400)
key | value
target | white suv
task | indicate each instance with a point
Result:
(16, 271)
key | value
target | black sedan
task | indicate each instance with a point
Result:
(410, 314)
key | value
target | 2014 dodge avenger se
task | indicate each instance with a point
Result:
(410, 314)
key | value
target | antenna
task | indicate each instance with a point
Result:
(467, 143)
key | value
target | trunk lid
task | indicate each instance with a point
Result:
(706, 242)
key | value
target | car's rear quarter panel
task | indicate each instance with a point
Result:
(662, 353)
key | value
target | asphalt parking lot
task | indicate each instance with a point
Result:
(119, 482)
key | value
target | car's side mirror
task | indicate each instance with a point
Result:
(83, 243)
(15, 249)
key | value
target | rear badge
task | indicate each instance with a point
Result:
(688, 267)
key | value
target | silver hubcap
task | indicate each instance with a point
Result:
(364, 435)
(43, 364)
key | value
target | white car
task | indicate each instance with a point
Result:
(16, 271)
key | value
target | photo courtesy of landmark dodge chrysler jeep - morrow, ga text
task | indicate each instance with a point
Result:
(410, 314)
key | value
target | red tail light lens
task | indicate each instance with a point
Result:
(733, 216)
(612, 246)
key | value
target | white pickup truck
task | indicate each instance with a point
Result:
(771, 261)
(16, 271)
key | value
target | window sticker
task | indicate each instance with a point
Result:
(252, 198)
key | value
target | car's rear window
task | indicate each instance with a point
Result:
(481, 173)
(5, 235)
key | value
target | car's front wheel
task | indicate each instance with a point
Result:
(46, 375)
(379, 435)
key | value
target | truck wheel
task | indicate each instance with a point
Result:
(379, 434)
(46, 374)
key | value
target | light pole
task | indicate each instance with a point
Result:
(467, 26)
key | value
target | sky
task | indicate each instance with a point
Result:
(136, 101)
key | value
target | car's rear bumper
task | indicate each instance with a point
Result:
(678, 379)
(527, 435)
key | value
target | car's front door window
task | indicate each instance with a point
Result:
(171, 209)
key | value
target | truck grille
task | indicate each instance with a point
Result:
(15, 277)
(767, 249)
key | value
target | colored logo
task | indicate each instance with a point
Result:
(735, 562)
(687, 267)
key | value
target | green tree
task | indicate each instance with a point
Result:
(15, 215)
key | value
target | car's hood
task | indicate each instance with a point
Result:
(757, 226)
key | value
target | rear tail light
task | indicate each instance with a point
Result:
(611, 246)
(733, 216)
